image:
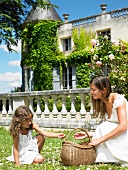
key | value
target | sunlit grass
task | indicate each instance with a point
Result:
(51, 152)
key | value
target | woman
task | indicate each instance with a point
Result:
(111, 137)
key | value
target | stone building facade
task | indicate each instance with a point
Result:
(114, 24)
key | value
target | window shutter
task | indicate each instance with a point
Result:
(31, 81)
(73, 77)
(56, 78)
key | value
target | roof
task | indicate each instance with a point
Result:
(43, 14)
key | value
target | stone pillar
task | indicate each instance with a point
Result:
(73, 110)
(10, 112)
(38, 111)
(46, 111)
(54, 111)
(4, 112)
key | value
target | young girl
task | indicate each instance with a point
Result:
(111, 137)
(26, 149)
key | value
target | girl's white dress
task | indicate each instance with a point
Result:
(28, 149)
(114, 150)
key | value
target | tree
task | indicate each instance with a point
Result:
(12, 15)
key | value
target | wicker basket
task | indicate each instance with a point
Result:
(74, 154)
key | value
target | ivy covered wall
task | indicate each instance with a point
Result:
(42, 51)
(91, 56)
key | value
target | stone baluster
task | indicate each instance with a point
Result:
(55, 111)
(31, 103)
(4, 112)
(38, 111)
(82, 110)
(64, 111)
(46, 110)
(10, 112)
(73, 110)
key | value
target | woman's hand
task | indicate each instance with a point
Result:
(95, 141)
(61, 135)
(80, 135)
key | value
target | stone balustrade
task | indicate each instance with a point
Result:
(119, 13)
(93, 19)
(83, 21)
(52, 109)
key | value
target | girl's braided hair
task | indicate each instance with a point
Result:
(20, 115)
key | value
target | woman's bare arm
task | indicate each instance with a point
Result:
(120, 129)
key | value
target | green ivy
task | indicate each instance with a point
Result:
(82, 38)
(83, 74)
(40, 51)
(81, 55)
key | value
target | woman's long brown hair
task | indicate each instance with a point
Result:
(101, 82)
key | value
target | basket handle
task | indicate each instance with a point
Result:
(66, 138)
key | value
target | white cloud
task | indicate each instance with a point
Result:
(16, 48)
(4, 48)
(9, 76)
(14, 84)
(14, 63)
(6, 87)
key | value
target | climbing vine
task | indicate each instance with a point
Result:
(40, 43)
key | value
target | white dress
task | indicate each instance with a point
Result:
(114, 150)
(28, 149)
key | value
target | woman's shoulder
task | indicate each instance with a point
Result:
(115, 96)
(117, 99)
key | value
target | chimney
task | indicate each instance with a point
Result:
(103, 8)
(65, 17)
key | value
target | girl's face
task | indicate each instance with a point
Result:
(27, 122)
(95, 92)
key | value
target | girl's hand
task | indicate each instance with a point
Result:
(17, 164)
(80, 135)
(61, 135)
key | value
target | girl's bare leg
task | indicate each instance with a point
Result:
(38, 159)
(40, 141)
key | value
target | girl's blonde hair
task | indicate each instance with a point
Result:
(21, 114)
(101, 82)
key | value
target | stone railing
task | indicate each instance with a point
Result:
(84, 21)
(119, 13)
(38, 102)
(90, 20)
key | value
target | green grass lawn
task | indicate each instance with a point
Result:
(51, 153)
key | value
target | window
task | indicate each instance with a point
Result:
(69, 77)
(105, 32)
(67, 44)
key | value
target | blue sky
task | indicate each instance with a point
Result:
(10, 70)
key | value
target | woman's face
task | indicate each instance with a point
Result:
(95, 92)
(27, 122)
